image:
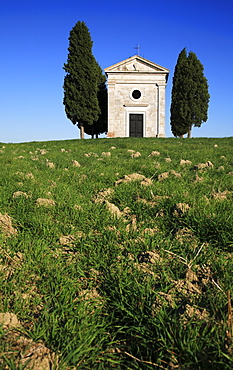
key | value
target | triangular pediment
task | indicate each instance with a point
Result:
(136, 64)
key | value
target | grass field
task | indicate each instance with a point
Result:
(116, 254)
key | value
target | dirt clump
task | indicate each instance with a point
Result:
(9, 320)
(193, 312)
(45, 202)
(131, 177)
(135, 177)
(185, 237)
(176, 174)
(201, 166)
(76, 163)
(157, 164)
(163, 176)
(150, 231)
(220, 195)
(11, 263)
(83, 177)
(180, 209)
(20, 194)
(183, 162)
(151, 257)
(68, 240)
(87, 294)
(102, 195)
(146, 182)
(31, 355)
(43, 151)
(186, 290)
(22, 350)
(113, 209)
(187, 287)
(198, 178)
(106, 154)
(29, 175)
(92, 300)
(78, 207)
(132, 226)
(145, 262)
(91, 154)
(135, 155)
(6, 226)
(50, 164)
(154, 153)
(19, 173)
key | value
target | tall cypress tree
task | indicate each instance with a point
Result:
(100, 126)
(179, 104)
(81, 79)
(199, 95)
(190, 97)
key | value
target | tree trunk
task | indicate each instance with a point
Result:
(93, 135)
(92, 132)
(189, 132)
(81, 131)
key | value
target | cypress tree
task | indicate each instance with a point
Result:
(199, 96)
(190, 97)
(179, 104)
(81, 79)
(100, 126)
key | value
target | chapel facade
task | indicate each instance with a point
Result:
(136, 98)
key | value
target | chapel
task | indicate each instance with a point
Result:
(136, 98)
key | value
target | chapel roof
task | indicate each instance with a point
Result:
(136, 64)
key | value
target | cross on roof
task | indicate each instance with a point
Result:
(137, 47)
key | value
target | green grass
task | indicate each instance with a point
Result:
(143, 291)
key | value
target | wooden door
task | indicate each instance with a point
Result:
(136, 125)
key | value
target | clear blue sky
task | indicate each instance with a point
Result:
(34, 42)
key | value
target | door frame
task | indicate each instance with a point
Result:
(137, 123)
(134, 110)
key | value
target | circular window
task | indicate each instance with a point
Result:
(136, 94)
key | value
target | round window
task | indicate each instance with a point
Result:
(136, 94)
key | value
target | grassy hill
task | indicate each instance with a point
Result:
(116, 254)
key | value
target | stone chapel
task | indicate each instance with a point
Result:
(136, 98)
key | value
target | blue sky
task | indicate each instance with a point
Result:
(34, 42)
